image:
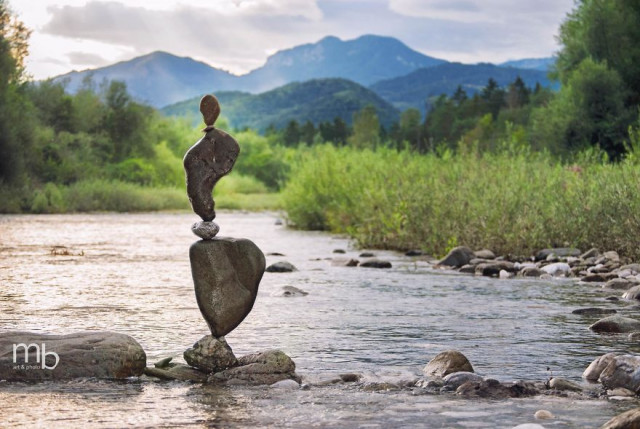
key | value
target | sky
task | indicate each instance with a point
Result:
(239, 35)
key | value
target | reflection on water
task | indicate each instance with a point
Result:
(130, 273)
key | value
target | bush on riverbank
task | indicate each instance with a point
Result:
(511, 201)
(234, 192)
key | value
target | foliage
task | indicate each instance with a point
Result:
(511, 201)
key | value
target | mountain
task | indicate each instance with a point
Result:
(158, 78)
(316, 100)
(542, 64)
(364, 60)
(414, 89)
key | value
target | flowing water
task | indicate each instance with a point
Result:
(130, 273)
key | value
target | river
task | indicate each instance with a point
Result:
(130, 273)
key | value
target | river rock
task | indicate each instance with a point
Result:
(413, 252)
(458, 257)
(226, 274)
(210, 354)
(205, 230)
(557, 269)
(543, 415)
(367, 255)
(290, 292)
(493, 389)
(492, 269)
(595, 368)
(457, 379)
(485, 254)
(61, 357)
(281, 267)
(561, 252)
(592, 311)
(627, 420)
(286, 385)
(634, 268)
(532, 272)
(259, 368)
(598, 277)
(446, 363)
(616, 325)
(633, 293)
(622, 371)
(619, 284)
(375, 263)
(342, 251)
(344, 262)
(591, 253)
(177, 372)
(561, 384)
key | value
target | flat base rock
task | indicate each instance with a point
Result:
(63, 357)
(259, 368)
(177, 372)
(210, 354)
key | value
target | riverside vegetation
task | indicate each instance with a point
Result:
(513, 169)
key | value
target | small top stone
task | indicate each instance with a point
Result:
(210, 109)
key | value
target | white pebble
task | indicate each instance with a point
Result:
(543, 415)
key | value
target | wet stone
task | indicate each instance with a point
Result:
(83, 354)
(592, 311)
(281, 267)
(259, 368)
(226, 274)
(205, 230)
(616, 325)
(446, 363)
(458, 257)
(375, 263)
(210, 354)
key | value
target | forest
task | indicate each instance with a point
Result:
(512, 168)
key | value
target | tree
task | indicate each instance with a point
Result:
(410, 127)
(291, 135)
(15, 110)
(608, 32)
(307, 133)
(599, 67)
(366, 128)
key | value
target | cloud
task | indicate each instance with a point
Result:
(236, 35)
(483, 11)
(86, 59)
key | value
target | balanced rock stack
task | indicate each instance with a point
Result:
(226, 271)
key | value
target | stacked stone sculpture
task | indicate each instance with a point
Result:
(226, 272)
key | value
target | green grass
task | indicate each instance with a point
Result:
(513, 202)
(235, 192)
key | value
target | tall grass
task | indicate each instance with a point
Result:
(513, 201)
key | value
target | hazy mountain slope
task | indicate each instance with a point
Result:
(364, 60)
(414, 89)
(158, 78)
(316, 100)
(542, 64)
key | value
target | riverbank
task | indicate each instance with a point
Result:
(513, 201)
(238, 193)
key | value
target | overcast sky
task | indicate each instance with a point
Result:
(239, 35)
